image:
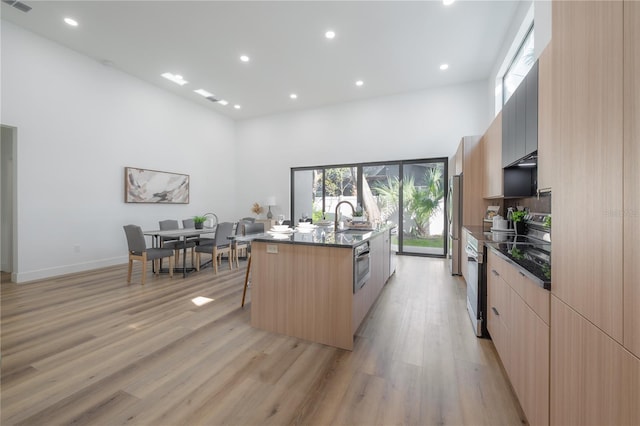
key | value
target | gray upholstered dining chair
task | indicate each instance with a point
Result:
(138, 251)
(175, 243)
(221, 245)
(240, 246)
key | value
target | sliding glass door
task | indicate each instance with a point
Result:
(381, 195)
(423, 224)
(410, 194)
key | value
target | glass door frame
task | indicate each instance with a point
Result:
(359, 168)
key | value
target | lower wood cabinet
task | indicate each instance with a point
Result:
(594, 379)
(520, 335)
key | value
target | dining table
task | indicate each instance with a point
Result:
(183, 235)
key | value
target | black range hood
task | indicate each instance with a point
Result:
(521, 179)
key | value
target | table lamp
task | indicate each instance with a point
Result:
(271, 201)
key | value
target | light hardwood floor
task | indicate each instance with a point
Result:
(88, 349)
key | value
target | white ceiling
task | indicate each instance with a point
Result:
(393, 46)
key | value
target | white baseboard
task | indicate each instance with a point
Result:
(25, 277)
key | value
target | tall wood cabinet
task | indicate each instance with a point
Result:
(595, 307)
(472, 182)
(587, 191)
(632, 176)
(492, 146)
(600, 385)
(545, 115)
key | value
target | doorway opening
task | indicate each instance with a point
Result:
(8, 185)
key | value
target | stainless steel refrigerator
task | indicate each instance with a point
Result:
(454, 217)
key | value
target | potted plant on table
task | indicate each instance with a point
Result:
(199, 221)
(518, 221)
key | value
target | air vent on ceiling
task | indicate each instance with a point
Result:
(18, 5)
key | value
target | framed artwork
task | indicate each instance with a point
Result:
(152, 186)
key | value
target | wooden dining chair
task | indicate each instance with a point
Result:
(221, 245)
(252, 228)
(138, 251)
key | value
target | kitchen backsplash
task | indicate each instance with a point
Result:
(534, 204)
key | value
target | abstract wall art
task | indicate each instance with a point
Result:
(152, 186)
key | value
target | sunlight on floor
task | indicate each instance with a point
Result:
(200, 300)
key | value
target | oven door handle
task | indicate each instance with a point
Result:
(471, 254)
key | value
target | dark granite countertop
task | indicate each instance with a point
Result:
(321, 236)
(533, 260)
(530, 258)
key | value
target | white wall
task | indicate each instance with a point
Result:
(540, 11)
(416, 125)
(79, 124)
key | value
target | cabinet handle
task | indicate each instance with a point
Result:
(495, 311)
(522, 273)
(495, 272)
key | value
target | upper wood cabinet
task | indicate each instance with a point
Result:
(472, 181)
(587, 102)
(458, 158)
(545, 115)
(632, 176)
(492, 145)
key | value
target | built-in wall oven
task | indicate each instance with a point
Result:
(361, 266)
(476, 285)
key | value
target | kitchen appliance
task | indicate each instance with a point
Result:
(361, 266)
(476, 285)
(454, 218)
(532, 252)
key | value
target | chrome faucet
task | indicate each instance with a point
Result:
(335, 224)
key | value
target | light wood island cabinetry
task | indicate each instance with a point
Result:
(305, 290)
(631, 209)
(288, 286)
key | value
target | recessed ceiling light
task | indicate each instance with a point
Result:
(223, 102)
(448, 2)
(236, 106)
(244, 58)
(444, 67)
(359, 83)
(293, 96)
(203, 92)
(330, 34)
(176, 78)
(70, 21)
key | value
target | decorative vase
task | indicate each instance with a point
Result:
(199, 225)
(519, 228)
(269, 214)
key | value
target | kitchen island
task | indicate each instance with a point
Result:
(302, 283)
